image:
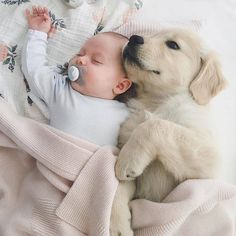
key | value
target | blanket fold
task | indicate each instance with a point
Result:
(53, 148)
(54, 184)
(90, 205)
(81, 170)
(195, 207)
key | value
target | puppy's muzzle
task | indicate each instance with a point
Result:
(135, 40)
(131, 49)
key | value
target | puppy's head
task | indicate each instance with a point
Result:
(170, 62)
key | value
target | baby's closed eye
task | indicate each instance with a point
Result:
(97, 60)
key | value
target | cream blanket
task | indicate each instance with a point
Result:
(54, 184)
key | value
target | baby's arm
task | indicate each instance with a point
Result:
(34, 54)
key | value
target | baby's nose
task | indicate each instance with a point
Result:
(81, 61)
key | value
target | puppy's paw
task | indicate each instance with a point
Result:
(121, 232)
(124, 230)
(129, 164)
(126, 170)
(121, 225)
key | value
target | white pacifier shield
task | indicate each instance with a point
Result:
(73, 73)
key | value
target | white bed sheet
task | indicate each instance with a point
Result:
(218, 24)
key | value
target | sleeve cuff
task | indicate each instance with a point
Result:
(38, 34)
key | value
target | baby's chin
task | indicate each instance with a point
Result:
(84, 92)
(75, 85)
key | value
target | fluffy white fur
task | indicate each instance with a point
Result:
(168, 138)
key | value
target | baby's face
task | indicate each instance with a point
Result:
(101, 59)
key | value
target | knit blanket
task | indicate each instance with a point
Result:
(54, 184)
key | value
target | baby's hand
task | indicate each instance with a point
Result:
(39, 19)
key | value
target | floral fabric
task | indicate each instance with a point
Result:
(73, 28)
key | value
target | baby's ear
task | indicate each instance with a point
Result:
(209, 81)
(122, 86)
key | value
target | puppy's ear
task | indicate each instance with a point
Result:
(209, 81)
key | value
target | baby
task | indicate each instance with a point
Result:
(86, 105)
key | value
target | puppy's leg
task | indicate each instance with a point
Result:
(136, 154)
(183, 152)
(120, 224)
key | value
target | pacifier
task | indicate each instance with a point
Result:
(77, 74)
(73, 73)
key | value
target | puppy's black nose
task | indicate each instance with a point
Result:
(135, 39)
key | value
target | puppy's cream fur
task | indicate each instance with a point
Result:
(168, 137)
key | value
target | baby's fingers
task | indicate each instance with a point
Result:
(40, 11)
(35, 11)
(45, 10)
(46, 17)
(27, 14)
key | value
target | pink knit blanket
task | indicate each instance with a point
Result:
(54, 184)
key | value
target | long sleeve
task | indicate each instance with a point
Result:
(39, 74)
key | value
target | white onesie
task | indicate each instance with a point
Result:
(94, 119)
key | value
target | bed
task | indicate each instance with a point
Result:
(45, 189)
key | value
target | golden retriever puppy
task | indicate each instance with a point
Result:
(168, 138)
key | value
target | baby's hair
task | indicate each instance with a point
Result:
(132, 91)
(124, 97)
(121, 36)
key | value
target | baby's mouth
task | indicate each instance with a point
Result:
(77, 74)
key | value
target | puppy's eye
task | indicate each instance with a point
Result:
(172, 44)
(156, 72)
